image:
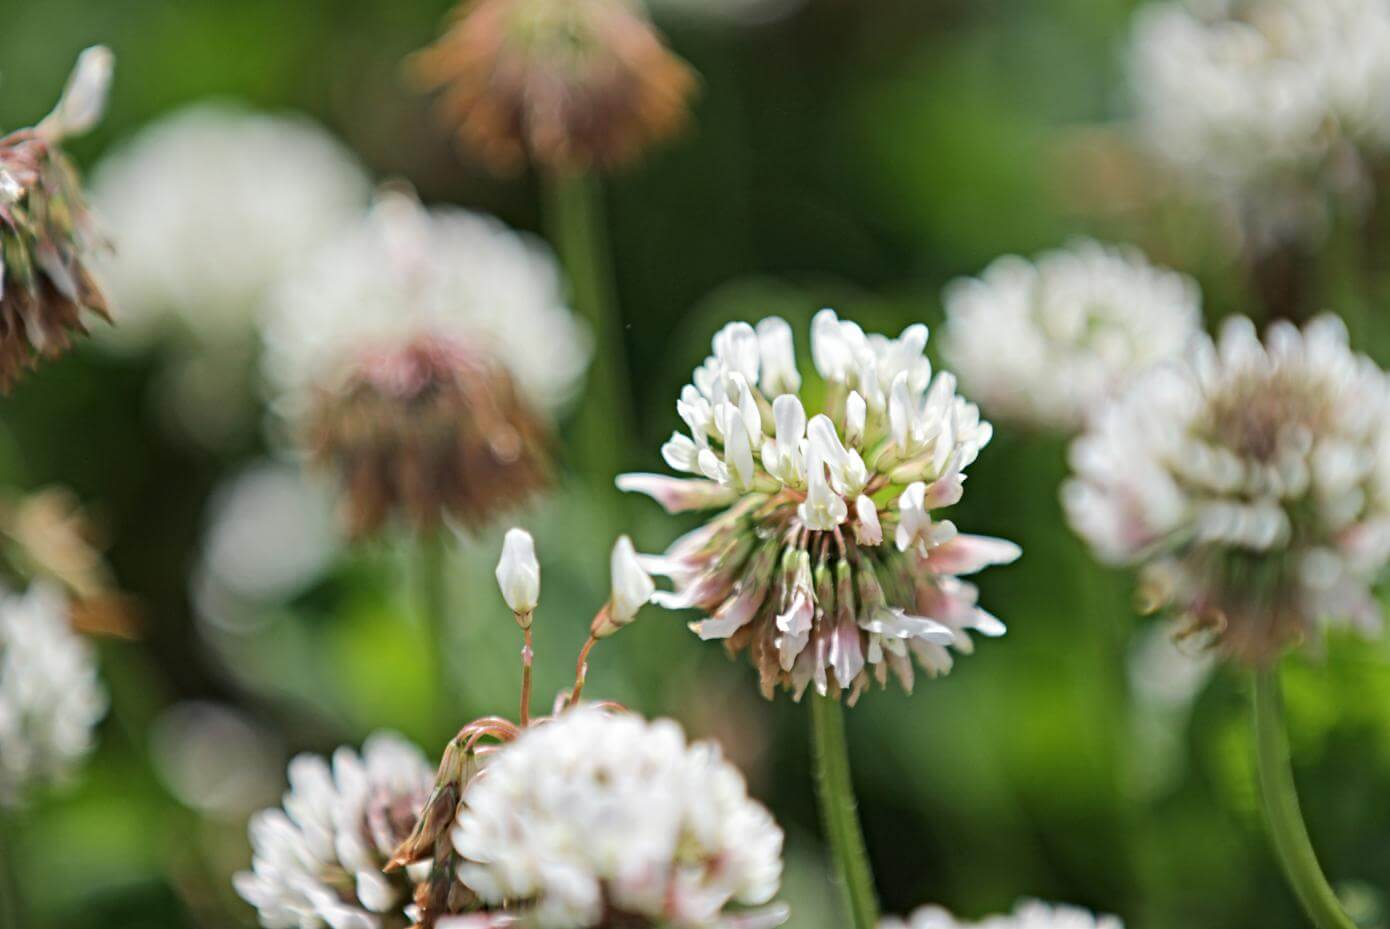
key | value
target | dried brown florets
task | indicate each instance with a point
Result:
(568, 84)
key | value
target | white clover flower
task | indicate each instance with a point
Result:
(1251, 482)
(1043, 342)
(421, 354)
(318, 860)
(1029, 914)
(208, 207)
(1268, 105)
(50, 698)
(828, 564)
(593, 818)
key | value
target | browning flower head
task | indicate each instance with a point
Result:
(827, 564)
(45, 232)
(419, 356)
(424, 431)
(1251, 484)
(567, 84)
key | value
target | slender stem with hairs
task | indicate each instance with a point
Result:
(581, 670)
(526, 662)
(574, 214)
(1287, 831)
(839, 811)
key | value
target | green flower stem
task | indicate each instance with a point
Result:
(574, 215)
(1280, 800)
(11, 902)
(432, 558)
(839, 813)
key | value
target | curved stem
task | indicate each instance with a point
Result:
(839, 813)
(574, 215)
(1282, 815)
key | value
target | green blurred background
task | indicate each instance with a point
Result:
(854, 153)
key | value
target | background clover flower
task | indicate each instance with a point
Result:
(319, 858)
(568, 84)
(1270, 106)
(1249, 481)
(1042, 342)
(407, 353)
(597, 818)
(1029, 914)
(827, 563)
(50, 698)
(45, 231)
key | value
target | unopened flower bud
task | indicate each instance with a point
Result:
(519, 575)
(632, 589)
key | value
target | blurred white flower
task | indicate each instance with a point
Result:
(269, 535)
(318, 860)
(50, 697)
(595, 812)
(421, 354)
(1268, 105)
(1043, 342)
(207, 207)
(1250, 481)
(1029, 914)
(828, 564)
(214, 759)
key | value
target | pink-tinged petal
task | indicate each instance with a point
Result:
(768, 917)
(734, 614)
(677, 495)
(946, 490)
(846, 654)
(966, 554)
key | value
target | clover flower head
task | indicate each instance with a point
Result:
(1249, 481)
(827, 562)
(1043, 342)
(1029, 914)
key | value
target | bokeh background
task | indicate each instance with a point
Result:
(848, 153)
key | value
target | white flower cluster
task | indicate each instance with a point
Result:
(50, 698)
(405, 273)
(208, 207)
(1269, 104)
(1029, 914)
(595, 813)
(318, 860)
(828, 564)
(1042, 342)
(1251, 480)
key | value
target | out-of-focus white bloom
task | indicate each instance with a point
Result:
(796, 569)
(519, 573)
(318, 860)
(208, 207)
(50, 698)
(593, 811)
(269, 535)
(1250, 481)
(84, 98)
(1029, 914)
(215, 759)
(1269, 105)
(1043, 342)
(420, 353)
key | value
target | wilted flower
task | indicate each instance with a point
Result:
(1043, 342)
(420, 355)
(318, 860)
(45, 231)
(215, 203)
(1250, 482)
(50, 698)
(1029, 914)
(827, 564)
(600, 819)
(568, 84)
(1271, 106)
